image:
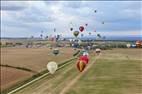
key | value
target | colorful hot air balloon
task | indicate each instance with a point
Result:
(81, 65)
(138, 43)
(76, 33)
(81, 28)
(52, 67)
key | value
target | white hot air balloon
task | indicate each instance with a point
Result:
(128, 45)
(98, 50)
(52, 67)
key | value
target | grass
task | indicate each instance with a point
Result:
(117, 75)
(111, 77)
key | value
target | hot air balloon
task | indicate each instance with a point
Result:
(76, 33)
(134, 46)
(52, 67)
(89, 33)
(98, 51)
(56, 51)
(81, 28)
(84, 57)
(95, 11)
(86, 24)
(99, 35)
(71, 29)
(103, 22)
(138, 43)
(81, 65)
(128, 45)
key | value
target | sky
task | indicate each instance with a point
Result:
(31, 18)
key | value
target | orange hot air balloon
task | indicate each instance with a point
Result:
(81, 65)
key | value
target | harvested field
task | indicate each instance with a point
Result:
(10, 76)
(34, 59)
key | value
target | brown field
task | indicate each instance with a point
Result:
(35, 59)
(10, 76)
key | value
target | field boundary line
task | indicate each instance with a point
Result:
(40, 77)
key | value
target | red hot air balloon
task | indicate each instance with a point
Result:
(84, 58)
(81, 28)
(81, 65)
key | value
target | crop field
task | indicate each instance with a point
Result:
(34, 59)
(116, 71)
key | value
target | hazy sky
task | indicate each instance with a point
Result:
(26, 18)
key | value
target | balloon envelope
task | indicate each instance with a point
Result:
(56, 51)
(98, 50)
(84, 58)
(81, 65)
(76, 33)
(81, 28)
(71, 29)
(128, 45)
(95, 11)
(52, 67)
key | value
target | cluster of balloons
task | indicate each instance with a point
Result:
(138, 44)
(82, 28)
(83, 61)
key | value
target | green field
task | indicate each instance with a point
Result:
(104, 75)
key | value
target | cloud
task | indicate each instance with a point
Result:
(35, 16)
(13, 5)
